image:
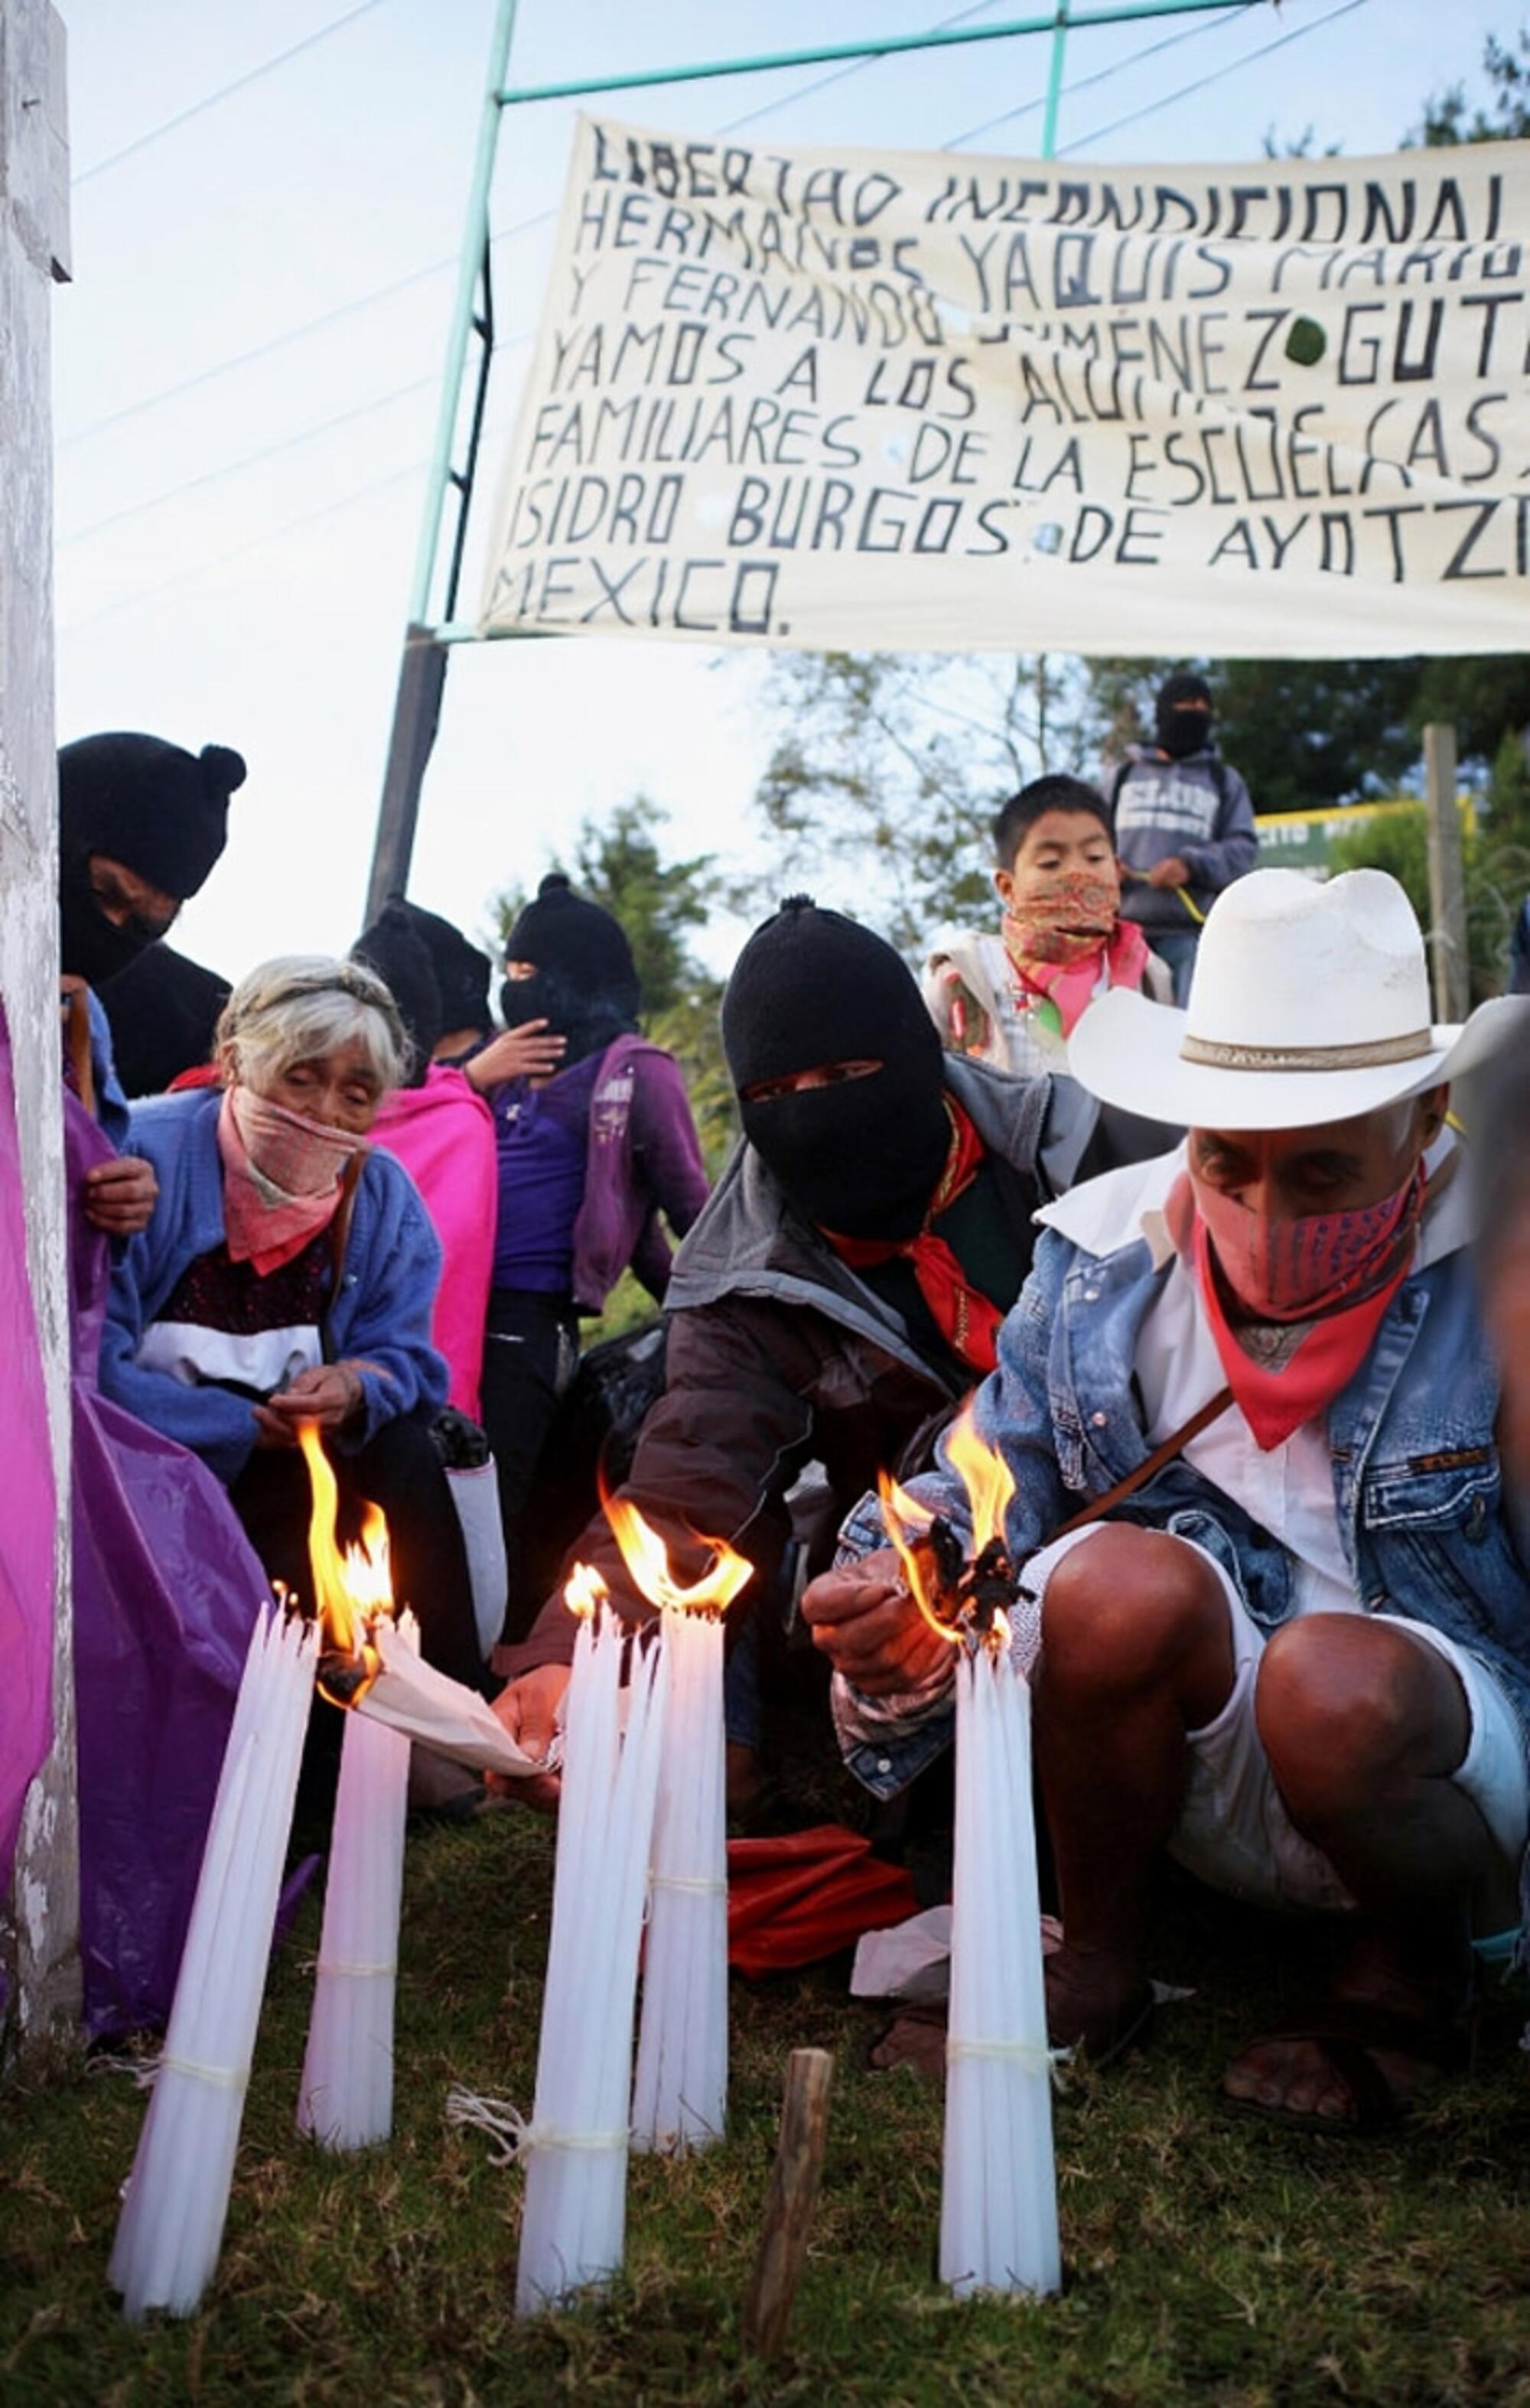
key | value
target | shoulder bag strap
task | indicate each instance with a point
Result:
(1098, 1507)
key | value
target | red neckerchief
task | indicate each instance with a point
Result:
(1275, 1400)
(966, 1318)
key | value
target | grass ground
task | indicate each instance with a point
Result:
(1207, 2259)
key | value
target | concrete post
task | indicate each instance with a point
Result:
(39, 1931)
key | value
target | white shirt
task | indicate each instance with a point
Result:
(1287, 1489)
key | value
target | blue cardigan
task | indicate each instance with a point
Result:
(379, 1320)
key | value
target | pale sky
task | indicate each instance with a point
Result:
(210, 594)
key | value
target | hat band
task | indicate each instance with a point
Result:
(1371, 1055)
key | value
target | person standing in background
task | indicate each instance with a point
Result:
(1183, 825)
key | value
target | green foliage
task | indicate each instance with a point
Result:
(1210, 2261)
(1496, 861)
(889, 768)
(1448, 118)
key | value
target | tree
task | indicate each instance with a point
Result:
(890, 766)
(1506, 117)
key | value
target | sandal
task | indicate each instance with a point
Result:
(1349, 2034)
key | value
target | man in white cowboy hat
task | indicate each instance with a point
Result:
(1296, 1653)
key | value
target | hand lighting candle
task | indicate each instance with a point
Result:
(998, 2205)
(681, 2092)
(573, 2226)
(171, 2225)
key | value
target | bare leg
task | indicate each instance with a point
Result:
(1136, 1651)
(1363, 1726)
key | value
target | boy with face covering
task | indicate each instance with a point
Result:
(1184, 825)
(848, 1277)
(1292, 1645)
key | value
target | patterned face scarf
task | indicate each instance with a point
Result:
(1064, 933)
(1312, 1291)
(282, 1177)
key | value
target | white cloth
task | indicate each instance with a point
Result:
(263, 1359)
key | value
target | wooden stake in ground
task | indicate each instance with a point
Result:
(794, 2194)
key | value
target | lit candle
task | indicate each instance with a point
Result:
(998, 2204)
(171, 2225)
(572, 2225)
(680, 2091)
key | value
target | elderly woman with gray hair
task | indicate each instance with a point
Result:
(289, 1273)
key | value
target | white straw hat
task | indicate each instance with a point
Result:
(1307, 1004)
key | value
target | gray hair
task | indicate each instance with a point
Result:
(303, 1007)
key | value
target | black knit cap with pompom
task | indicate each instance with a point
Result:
(564, 932)
(155, 808)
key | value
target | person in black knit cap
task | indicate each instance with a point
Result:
(595, 1141)
(141, 825)
(844, 1287)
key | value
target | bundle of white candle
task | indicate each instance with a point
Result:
(680, 2091)
(998, 2201)
(346, 2096)
(171, 2227)
(998, 2205)
(574, 2224)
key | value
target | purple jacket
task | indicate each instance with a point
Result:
(644, 1159)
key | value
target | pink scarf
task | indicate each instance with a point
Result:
(1317, 1289)
(282, 1177)
(1064, 934)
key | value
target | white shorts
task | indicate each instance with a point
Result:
(1234, 1832)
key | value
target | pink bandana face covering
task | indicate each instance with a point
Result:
(282, 1177)
(1291, 1271)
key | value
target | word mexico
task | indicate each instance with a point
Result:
(833, 399)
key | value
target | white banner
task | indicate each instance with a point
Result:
(852, 400)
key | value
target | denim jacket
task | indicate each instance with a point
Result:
(1425, 1525)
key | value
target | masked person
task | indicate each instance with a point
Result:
(1183, 823)
(1013, 1000)
(595, 1143)
(141, 824)
(1294, 1646)
(289, 1275)
(439, 1127)
(846, 1281)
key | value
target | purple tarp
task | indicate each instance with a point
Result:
(166, 1588)
(27, 1503)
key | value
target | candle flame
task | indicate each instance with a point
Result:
(984, 1474)
(989, 1485)
(999, 1633)
(647, 1558)
(351, 1588)
(583, 1590)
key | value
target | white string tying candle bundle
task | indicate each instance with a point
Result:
(998, 2201)
(681, 2089)
(346, 2095)
(573, 2228)
(171, 2227)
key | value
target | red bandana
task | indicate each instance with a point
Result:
(964, 1316)
(1318, 1359)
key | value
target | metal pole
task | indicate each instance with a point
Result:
(1125, 13)
(1054, 82)
(422, 674)
(1451, 963)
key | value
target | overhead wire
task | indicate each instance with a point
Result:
(1168, 99)
(1101, 74)
(225, 92)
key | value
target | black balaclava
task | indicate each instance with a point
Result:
(585, 985)
(163, 1013)
(391, 946)
(862, 1158)
(462, 971)
(1180, 731)
(157, 809)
